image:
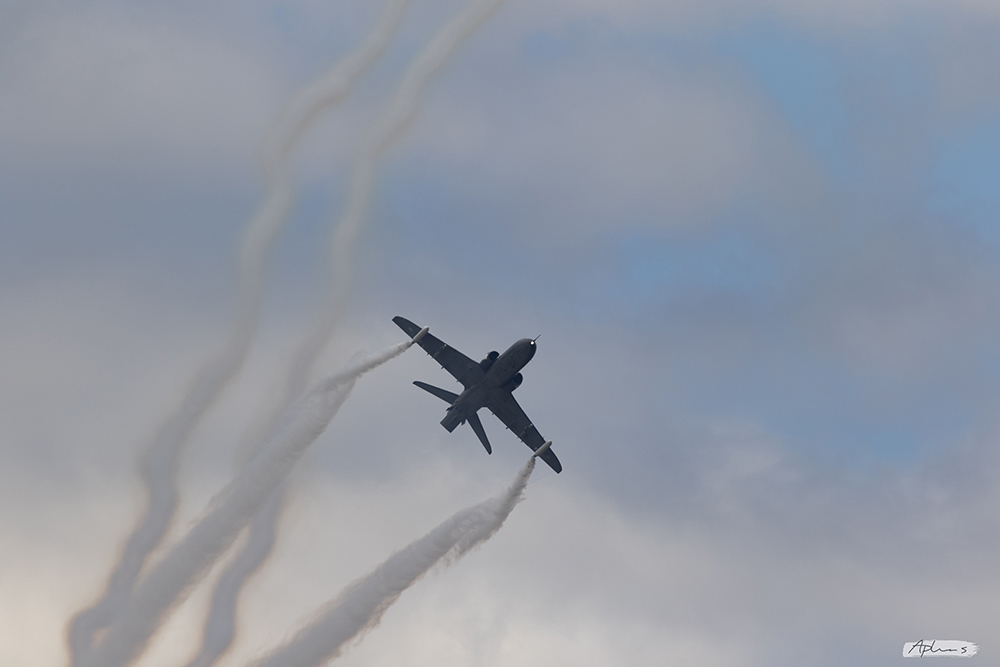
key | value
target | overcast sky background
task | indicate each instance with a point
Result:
(759, 241)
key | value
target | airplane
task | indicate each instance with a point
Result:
(488, 384)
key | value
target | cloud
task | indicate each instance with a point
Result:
(909, 300)
(762, 546)
(799, 452)
(613, 147)
(113, 87)
(831, 15)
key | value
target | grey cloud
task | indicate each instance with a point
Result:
(773, 548)
(616, 147)
(965, 57)
(906, 300)
(687, 524)
(830, 15)
(112, 86)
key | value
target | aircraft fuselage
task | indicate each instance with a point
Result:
(500, 374)
(510, 362)
(489, 383)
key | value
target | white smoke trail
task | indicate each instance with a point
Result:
(306, 105)
(208, 539)
(399, 112)
(220, 626)
(160, 462)
(298, 114)
(360, 606)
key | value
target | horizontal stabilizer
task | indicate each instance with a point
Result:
(477, 426)
(444, 395)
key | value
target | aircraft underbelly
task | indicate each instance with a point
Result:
(470, 401)
(452, 419)
(501, 373)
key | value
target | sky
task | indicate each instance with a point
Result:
(759, 241)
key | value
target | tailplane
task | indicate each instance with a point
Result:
(446, 396)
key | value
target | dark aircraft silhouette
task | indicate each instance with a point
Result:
(488, 384)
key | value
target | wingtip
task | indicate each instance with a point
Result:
(552, 459)
(544, 448)
(408, 327)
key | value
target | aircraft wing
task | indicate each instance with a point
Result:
(462, 368)
(502, 403)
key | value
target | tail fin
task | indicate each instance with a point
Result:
(446, 396)
(477, 426)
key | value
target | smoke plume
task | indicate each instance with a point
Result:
(306, 105)
(360, 606)
(161, 460)
(391, 123)
(209, 538)
(220, 625)
(129, 613)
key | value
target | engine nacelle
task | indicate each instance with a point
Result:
(488, 360)
(514, 382)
